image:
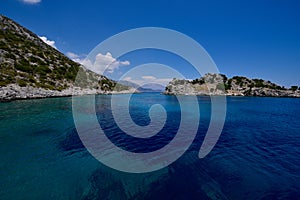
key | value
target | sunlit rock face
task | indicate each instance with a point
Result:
(219, 84)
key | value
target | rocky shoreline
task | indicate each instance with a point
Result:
(234, 95)
(15, 92)
(218, 84)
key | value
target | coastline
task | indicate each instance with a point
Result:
(219, 84)
(14, 92)
(82, 92)
(229, 95)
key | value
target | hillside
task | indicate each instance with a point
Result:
(219, 84)
(29, 68)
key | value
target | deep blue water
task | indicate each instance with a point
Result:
(256, 157)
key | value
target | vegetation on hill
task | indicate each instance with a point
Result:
(241, 81)
(26, 60)
(219, 84)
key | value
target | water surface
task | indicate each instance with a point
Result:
(257, 156)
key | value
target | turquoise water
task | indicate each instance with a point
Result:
(257, 156)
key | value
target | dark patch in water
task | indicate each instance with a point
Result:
(177, 187)
(104, 186)
(72, 142)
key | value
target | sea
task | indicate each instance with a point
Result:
(257, 155)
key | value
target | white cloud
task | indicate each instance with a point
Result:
(49, 42)
(72, 55)
(31, 1)
(108, 62)
(103, 62)
(149, 78)
(127, 78)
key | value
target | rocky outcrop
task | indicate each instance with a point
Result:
(14, 92)
(29, 68)
(210, 84)
(243, 86)
(218, 84)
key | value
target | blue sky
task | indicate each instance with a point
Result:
(249, 38)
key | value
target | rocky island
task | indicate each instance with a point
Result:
(30, 68)
(219, 84)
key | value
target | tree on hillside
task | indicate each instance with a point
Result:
(294, 88)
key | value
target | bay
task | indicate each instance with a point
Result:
(256, 157)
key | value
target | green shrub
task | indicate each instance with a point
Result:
(36, 60)
(169, 88)
(198, 81)
(294, 88)
(70, 76)
(24, 68)
(239, 80)
(31, 79)
(224, 77)
(11, 56)
(228, 86)
(220, 86)
(3, 83)
(22, 83)
(42, 69)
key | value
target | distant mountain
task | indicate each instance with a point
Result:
(129, 84)
(153, 87)
(29, 68)
(219, 84)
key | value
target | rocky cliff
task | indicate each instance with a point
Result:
(219, 84)
(29, 68)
